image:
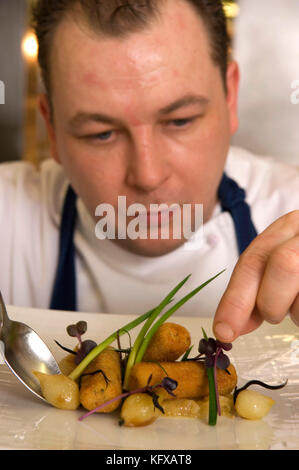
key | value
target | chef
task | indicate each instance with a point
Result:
(141, 101)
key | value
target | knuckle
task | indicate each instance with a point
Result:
(292, 219)
(267, 311)
(286, 259)
(253, 260)
(235, 302)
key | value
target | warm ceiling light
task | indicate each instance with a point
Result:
(231, 9)
(30, 46)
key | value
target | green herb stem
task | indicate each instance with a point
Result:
(171, 311)
(140, 338)
(75, 374)
(212, 397)
(214, 405)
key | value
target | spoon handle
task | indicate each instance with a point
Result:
(4, 319)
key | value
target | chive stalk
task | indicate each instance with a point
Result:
(213, 407)
(171, 311)
(140, 338)
(212, 397)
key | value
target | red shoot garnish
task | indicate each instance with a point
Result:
(167, 383)
(214, 357)
(211, 353)
(76, 331)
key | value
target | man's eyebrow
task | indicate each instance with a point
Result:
(82, 118)
(184, 101)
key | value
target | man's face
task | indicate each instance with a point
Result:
(144, 117)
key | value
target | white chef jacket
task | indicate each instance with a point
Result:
(109, 278)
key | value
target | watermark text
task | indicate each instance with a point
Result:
(295, 94)
(2, 92)
(156, 222)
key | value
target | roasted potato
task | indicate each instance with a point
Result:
(105, 383)
(191, 377)
(169, 343)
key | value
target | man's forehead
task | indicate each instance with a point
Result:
(150, 59)
(177, 23)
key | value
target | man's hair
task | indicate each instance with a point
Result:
(118, 18)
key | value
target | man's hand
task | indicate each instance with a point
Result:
(265, 282)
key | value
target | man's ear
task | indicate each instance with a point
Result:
(232, 81)
(45, 110)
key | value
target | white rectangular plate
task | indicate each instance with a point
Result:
(271, 354)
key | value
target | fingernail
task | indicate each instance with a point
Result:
(223, 331)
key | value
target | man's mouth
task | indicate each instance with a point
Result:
(159, 217)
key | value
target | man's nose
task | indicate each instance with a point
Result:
(148, 167)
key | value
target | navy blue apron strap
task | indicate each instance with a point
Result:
(64, 290)
(233, 200)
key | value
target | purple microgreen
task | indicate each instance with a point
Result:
(77, 330)
(208, 348)
(224, 346)
(211, 352)
(84, 349)
(65, 349)
(75, 374)
(209, 362)
(222, 360)
(72, 330)
(81, 327)
(169, 385)
(109, 402)
(156, 403)
(261, 384)
(218, 351)
(99, 371)
(149, 380)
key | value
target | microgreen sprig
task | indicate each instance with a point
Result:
(261, 384)
(211, 352)
(76, 331)
(167, 383)
(75, 374)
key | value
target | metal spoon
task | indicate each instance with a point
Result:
(24, 352)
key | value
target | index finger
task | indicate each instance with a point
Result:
(237, 305)
(236, 313)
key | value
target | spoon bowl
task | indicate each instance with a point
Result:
(24, 351)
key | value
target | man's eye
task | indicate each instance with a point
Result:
(101, 136)
(181, 122)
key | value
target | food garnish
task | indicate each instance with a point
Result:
(151, 378)
(211, 353)
(85, 346)
(167, 384)
(261, 384)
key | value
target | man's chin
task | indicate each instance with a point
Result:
(150, 248)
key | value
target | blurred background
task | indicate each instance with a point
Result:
(265, 42)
